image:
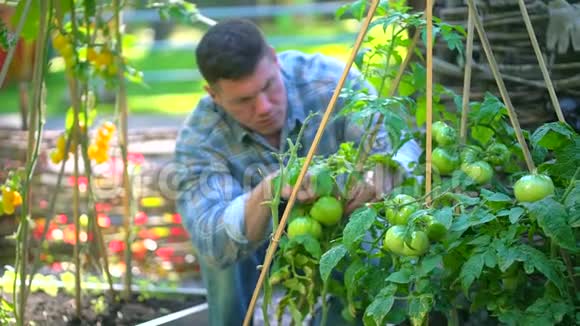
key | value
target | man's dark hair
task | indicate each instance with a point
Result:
(230, 50)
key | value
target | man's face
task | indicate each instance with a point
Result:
(257, 101)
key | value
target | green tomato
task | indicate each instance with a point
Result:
(418, 245)
(327, 210)
(304, 225)
(444, 134)
(533, 187)
(444, 161)
(395, 239)
(497, 154)
(480, 171)
(435, 229)
(399, 214)
(394, 242)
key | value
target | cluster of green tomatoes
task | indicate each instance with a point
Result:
(478, 164)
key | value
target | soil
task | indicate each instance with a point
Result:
(46, 310)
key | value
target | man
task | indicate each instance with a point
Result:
(226, 159)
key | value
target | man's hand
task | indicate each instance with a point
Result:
(361, 193)
(305, 193)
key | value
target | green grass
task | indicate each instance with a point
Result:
(177, 97)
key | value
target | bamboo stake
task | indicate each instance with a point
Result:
(276, 238)
(467, 79)
(429, 99)
(501, 85)
(538, 52)
(74, 94)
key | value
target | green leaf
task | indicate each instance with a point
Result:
(490, 110)
(402, 276)
(572, 203)
(421, 111)
(495, 196)
(358, 224)
(330, 259)
(428, 264)
(309, 243)
(482, 134)
(552, 135)
(533, 258)
(444, 216)
(506, 256)
(553, 219)
(546, 311)
(567, 158)
(482, 240)
(32, 22)
(294, 284)
(380, 306)
(419, 307)
(352, 275)
(471, 270)
(515, 213)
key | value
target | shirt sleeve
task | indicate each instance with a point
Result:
(210, 201)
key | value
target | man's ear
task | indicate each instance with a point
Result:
(273, 53)
(210, 91)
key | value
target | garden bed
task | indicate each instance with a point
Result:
(100, 309)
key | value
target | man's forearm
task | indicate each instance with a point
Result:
(257, 211)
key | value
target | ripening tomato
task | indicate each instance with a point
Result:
(443, 133)
(418, 245)
(304, 225)
(533, 187)
(400, 208)
(435, 229)
(327, 210)
(480, 171)
(444, 161)
(497, 154)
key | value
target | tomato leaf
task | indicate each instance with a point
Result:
(495, 196)
(402, 276)
(567, 158)
(310, 244)
(330, 259)
(506, 255)
(552, 135)
(360, 221)
(491, 109)
(419, 307)
(471, 270)
(553, 219)
(380, 306)
(444, 216)
(352, 275)
(546, 311)
(515, 213)
(535, 259)
(572, 203)
(428, 264)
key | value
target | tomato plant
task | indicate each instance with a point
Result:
(490, 240)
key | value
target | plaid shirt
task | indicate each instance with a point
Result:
(219, 161)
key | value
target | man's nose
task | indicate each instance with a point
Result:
(263, 104)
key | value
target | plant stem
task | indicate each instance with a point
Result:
(453, 318)
(324, 304)
(570, 270)
(34, 136)
(122, 105)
